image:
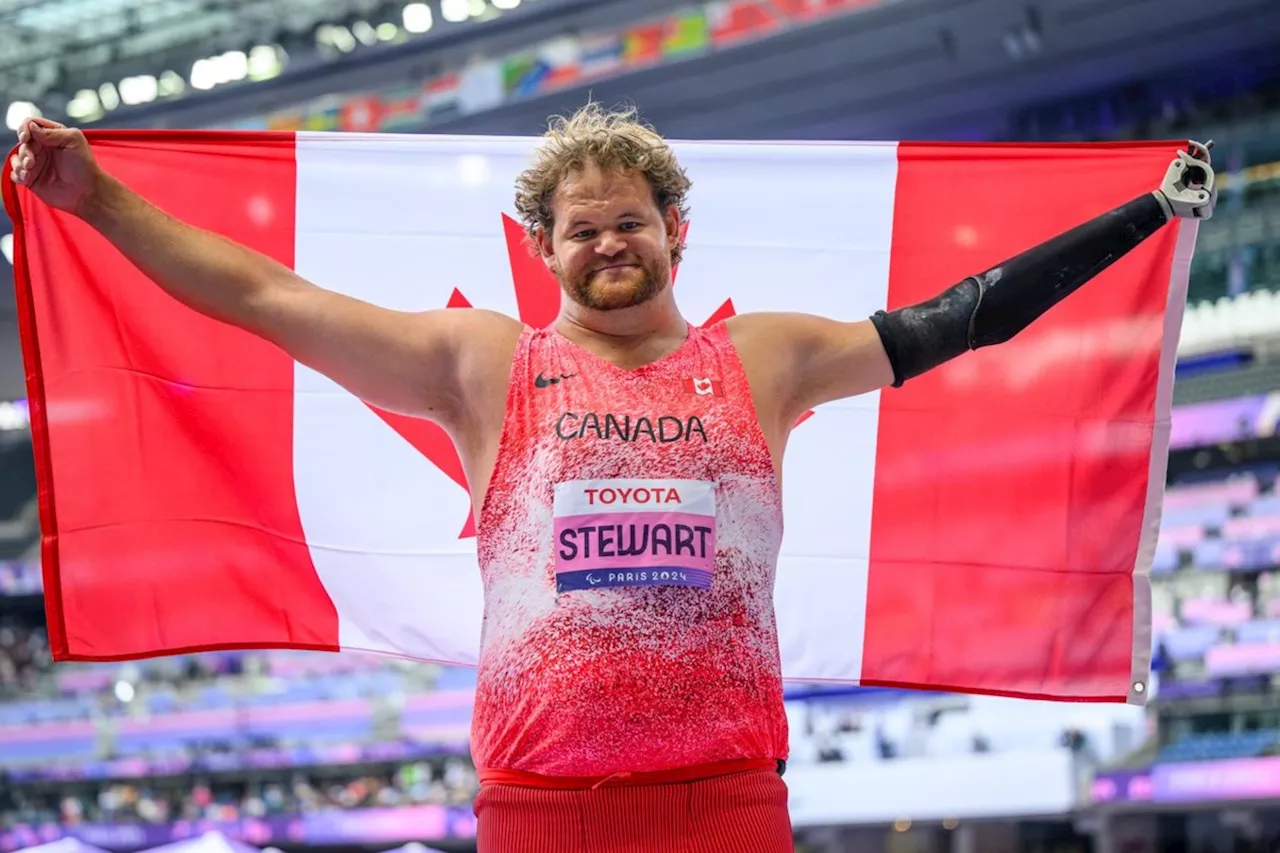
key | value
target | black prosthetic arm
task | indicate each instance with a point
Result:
(992, 307)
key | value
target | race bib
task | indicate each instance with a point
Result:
(634, 533)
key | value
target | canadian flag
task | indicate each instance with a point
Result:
(704, 387)
(989, 527)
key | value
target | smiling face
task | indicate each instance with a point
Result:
(609, 244)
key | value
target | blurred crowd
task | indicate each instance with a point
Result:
(24, 655)
(449, 781)
(846, 730)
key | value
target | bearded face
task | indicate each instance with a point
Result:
(610, 245)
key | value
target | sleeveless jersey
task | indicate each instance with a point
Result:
(628, 544)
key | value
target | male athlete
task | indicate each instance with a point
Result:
(630, 693)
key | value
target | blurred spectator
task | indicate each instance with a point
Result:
(24, 654)
(451, 781)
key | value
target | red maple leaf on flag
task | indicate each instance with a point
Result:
(537, 302)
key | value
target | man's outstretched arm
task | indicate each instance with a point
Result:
(831, 359)
(420, 364)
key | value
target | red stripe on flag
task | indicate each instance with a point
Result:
(163, 439)
(1011, 484)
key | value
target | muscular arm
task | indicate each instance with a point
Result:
(798, 361)
(405, 362)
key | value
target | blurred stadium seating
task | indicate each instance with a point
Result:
(297, 750)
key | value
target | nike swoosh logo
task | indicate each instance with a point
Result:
(545, 382)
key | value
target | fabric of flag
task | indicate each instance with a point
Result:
(988, 527)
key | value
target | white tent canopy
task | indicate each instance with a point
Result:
(209, 842)
(414, 847)
(63, 845)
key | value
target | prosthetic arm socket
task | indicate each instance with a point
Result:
(992, 307)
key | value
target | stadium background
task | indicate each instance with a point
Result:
(299, 751)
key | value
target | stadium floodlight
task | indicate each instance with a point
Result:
(455, 11)
(265, 62)
(364, 33)
(417, 17)
(108, 95)
(141, 89)
(171, 83)
(84, 105)
(20, 111)
(14, 414)
(232, 65)
(342, 39)
(6, 247)
(505, 4)
(204, 74)
(336, 36)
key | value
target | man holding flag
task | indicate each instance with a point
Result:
(625, 465)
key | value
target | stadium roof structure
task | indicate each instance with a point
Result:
(52, 50)
(50, 44)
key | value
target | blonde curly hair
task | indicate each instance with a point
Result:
(611, 139)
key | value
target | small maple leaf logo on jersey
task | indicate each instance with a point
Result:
(704, 386)
(538, 302)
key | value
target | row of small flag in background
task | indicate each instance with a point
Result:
(555, 65)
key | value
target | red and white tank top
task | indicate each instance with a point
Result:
(628, 545)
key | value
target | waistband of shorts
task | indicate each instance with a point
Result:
(691, 773)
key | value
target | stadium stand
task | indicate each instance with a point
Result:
(1217, 611)
(176, 739)
(24, 655)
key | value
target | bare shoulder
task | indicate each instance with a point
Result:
(796, 325)
(484, 342)
(808, 359)
(482, 329)
(778, 333)
(766, 346)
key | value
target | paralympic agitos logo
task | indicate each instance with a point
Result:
(538, 302)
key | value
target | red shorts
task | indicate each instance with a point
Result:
(744, 812)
